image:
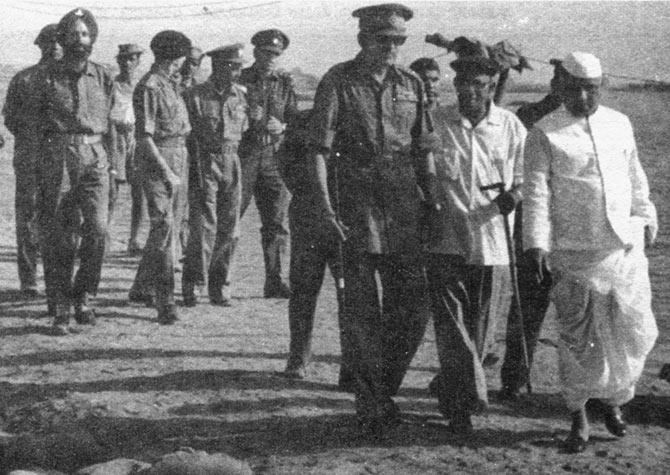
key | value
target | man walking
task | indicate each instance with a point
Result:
(162, 126)
(468, 262)
(587, 211)
(74, 102)
(272, 102)
(122, 141)
(22, 120)
(218, 114)
(367, 160)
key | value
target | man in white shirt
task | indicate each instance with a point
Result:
(587, 213)
(468, 263)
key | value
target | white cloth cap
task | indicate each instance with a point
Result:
(582, 65)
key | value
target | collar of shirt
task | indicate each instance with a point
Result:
(493, 118)
(392, 74)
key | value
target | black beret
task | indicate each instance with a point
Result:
(170, 44)
(424, 64)
(71, 17)
(386, 19)
(229, 53)
(271, 40)
(47, 34)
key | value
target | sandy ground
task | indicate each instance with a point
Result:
(136, 389)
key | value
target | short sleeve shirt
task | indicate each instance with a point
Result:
(372, 131)
(217, 118)
(75, 103)
(159, 108)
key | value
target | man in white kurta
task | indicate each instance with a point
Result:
(586, 205)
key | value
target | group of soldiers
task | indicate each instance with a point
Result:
(408, 201)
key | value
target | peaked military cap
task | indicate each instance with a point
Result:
(129, 49)
(386, 19)
(271, 40)
(71, 17)
(47, 34)
(476, 59)
(229, 53)
(170, 44)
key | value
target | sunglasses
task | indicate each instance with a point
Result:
(387, 40)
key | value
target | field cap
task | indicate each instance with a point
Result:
(476, 59)
(386, 19)
(78, 14)
(47, 34)
(229, 53)
(170, 44)
(129, 49)
(270, 40)
(582, 65)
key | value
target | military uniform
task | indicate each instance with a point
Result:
(161, 113)
(312, 250)
(218, 119)
(20, 119)
(372, 133)
(74, 177)
(275, 94)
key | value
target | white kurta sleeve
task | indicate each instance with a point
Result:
(536, 191)
(641, 205)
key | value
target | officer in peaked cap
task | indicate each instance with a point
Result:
(218, 113)
(122, 139)
(162, 160)
(21, 119)
(367, 129)
(272, 103)
(75, 97)
(270, 40)
(387, 19)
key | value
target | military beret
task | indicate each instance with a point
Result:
(71, 17)
(229, 53)
(424, 64)
(129, 49)
(47, 34)
(476, 59)
(387, 19)
(270, 40)
(170, 44)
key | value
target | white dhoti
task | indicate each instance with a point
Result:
(606, 325)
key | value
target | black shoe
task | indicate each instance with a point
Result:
(576, 443)
(298, 372)
(167, 315)
(61, 321)
(460, 424)
(276, 290)
(85, 315)
(136, 296)
(507, 394)
(614, 421)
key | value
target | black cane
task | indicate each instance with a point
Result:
(516, 299)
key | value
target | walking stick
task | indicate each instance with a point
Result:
(340, 251)
(516, 300)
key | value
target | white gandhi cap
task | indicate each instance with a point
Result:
(582, 65)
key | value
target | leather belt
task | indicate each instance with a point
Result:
(225, 149)
(170, 142)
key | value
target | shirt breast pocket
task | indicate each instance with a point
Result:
(405, 109)
(448, 163)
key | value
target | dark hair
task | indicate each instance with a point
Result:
(424, 64)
